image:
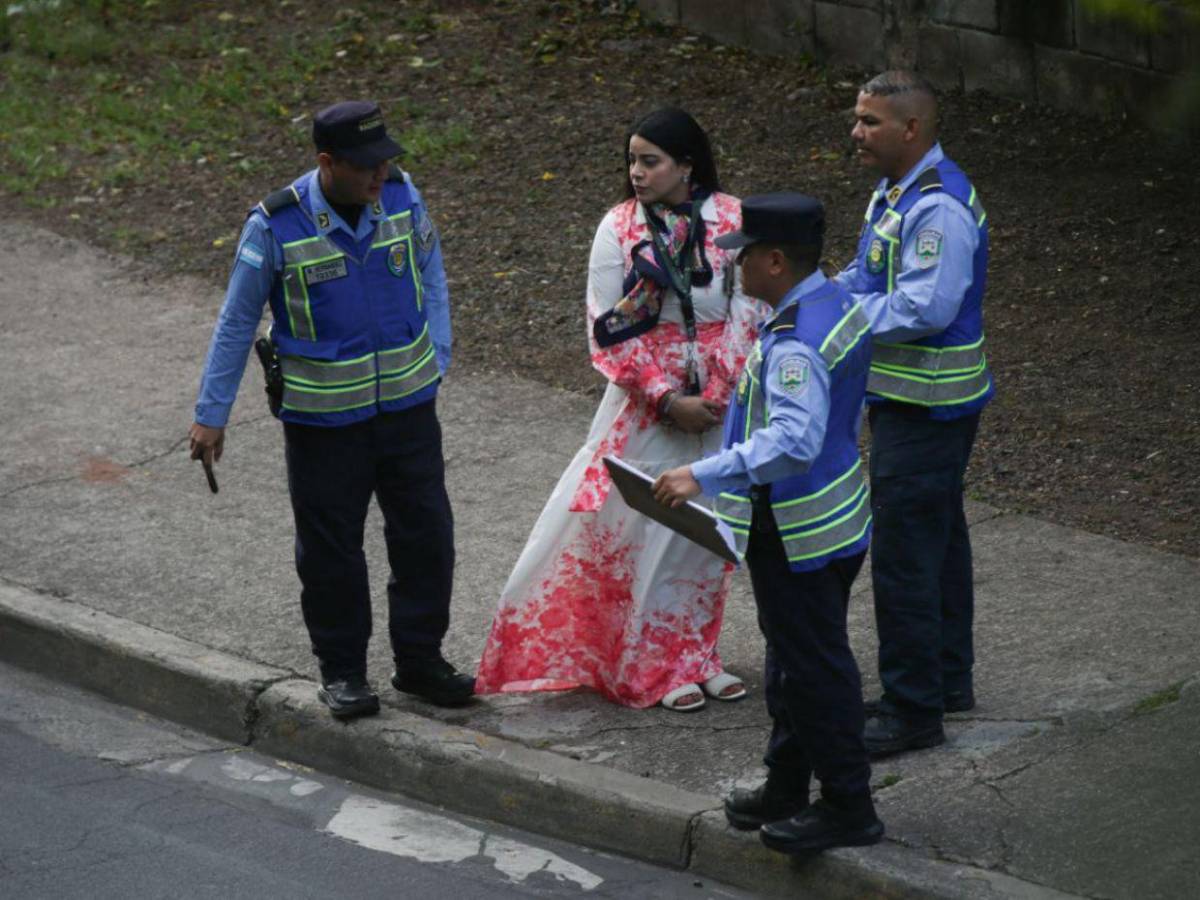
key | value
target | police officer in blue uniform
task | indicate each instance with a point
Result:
(349, 262)
(790, 484)
(920, 274)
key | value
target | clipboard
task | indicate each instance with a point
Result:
(691, 520)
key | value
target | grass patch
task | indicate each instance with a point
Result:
(1156, 701)
(120, 93)
(888, 781)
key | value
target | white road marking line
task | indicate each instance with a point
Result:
(389, 828)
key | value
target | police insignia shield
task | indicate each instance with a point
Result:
(425, 233)
(397, 260)
(322, 220)
(793, 375)
(893, 195)
(743, 387)
(875, 257)
(929, 248)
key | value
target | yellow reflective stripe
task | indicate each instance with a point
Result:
(834, 536)
(322, 373)
(389, 231)
(928, 391)
(977, 209)
(888, 226)
(791, 514)
(325, 400)
(844, 336)
(423, 374)
(299, 308)
(729, 504)
(398, 358)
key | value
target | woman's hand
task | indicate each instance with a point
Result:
(694, 415)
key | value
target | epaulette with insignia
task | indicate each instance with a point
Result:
(786, 319)
(929, 179)
(395, 173)
(277, 200)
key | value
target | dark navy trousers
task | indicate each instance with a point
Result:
(332, 474)
(921, 557)
(812, 684)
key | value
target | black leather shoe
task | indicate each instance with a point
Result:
(952, 702)
(821, 827)
(887, 734)
(349, 697)
(433, 679)
(747, 810)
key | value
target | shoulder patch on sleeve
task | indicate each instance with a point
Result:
(251, 254)
(929, 248)
(793, 375)
(425, 232)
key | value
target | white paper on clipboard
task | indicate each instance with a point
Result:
(691, 520)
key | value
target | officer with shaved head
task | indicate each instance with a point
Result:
(919, 274)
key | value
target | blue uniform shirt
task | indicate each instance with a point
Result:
(927, 294)
(259, 261)
(795, 429)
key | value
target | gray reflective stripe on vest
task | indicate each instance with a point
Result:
(392, 229)
(793, 514)
(398, 359)
(303, 372)
(297, 255)
(928, 361)
(841, 532)
(924, 391)
(327, 400)
(888, 226)
(844, 336)
(735, 512)
(423, 373)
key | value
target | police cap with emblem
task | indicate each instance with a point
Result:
(780, 218)
(353, 130)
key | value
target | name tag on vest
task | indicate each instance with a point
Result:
(326, 271)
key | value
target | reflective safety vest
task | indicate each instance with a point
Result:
(825, 512)
(945, 372)
(350, 327)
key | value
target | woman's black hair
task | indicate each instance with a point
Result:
(675, 131)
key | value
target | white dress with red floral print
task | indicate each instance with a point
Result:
(602, 596)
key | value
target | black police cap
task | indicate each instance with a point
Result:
(784, 218)
(353, 130)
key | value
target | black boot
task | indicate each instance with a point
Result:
(887, 733)
(952, 702)
(432, 678)
(348, 697)
(824, 825)
(771, 801)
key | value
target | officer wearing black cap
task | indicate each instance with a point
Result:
(790, 484)
(349, 262)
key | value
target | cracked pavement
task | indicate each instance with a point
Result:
(1052, 779)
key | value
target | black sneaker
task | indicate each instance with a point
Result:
(349, 697)
(821, 827)
(748, 810)
(887, 734)
(433, 679)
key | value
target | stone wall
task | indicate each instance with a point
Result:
(1047, 51)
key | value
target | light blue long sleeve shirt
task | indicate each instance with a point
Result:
(927, 295)
(259, 261)
(795, 429)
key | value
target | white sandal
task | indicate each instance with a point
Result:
(721, 682)
(671, 699)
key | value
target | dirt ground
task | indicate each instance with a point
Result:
(1094, 228)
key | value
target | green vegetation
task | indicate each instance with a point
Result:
(1159, 700)
(888, 781)
(106, 93)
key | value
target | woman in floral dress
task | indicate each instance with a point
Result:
(602, 596)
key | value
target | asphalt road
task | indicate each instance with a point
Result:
(100, 801)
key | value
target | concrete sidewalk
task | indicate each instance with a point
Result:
(1078, 773)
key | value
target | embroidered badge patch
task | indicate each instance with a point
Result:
(793, 376)
(894, 195)
(397, 260)
(323, 220)
(929, 248)
(325, 271)
(251, 255)
(875, 257)
(377, 208)
(743, 387)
